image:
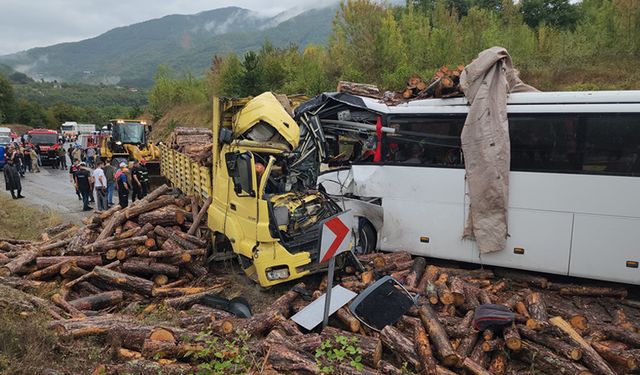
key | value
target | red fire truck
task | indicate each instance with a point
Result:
(46, 141)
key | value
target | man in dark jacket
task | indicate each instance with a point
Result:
(83, 185)
(12, 179)
(123, 185)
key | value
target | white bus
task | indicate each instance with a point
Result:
(574, 194)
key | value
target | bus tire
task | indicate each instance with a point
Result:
(367, 237)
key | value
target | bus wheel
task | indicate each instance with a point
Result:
(367, 238)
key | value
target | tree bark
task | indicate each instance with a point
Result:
(428, 364)
(415, 275)
(590, 357)
(116, 244)
(474, 367)
(123, 281)
(84, 261)
(561, 347)
(17, 263)
(400, 345)
(166, 216)
(361, 89)
(197, 219)
(548, 362)
(438, 336)
(48, 272)
(150, 269)
(151, 206)
(98, 301)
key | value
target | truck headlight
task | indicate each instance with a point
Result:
(278, 273)
(119, 143)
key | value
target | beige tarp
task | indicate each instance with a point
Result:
(485, 143)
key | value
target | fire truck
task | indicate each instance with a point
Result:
(46, 142)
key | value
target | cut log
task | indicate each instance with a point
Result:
(70, 270)
(512, 338)
(116, 244)
(498, 364)
(174, 237)
(361, 89)
(166, 216)
(618, 358)
(98, 301)
(590, 357)
(185, 302)
(594, 291)
(87, 276)
(150, 269)
(561, 347)
(134, 211)
(537, 309)
(48, 272)
(474, 367)
(345, 316)
(524, 278)
(438, 336)
(123, 281)
(191, 238)
(116, 219)
(62, 303)
(400, 345)
(160, 280)
(17, 263)
(84, 261)
(428, 364)
(197, 219)
(456, 286)
(287, 360)
(417, 269)
(444, 294)
(547, 362)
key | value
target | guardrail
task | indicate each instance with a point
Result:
(185, 174)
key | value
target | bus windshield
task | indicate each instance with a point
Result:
(67, 128)
(4, 140)
(47, 139)
(129, 132)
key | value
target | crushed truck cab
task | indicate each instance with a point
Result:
(261, 209)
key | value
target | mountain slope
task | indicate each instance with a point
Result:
(129, 55)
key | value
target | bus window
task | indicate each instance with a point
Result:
(612, 144)
(545, 143)
(424, 141)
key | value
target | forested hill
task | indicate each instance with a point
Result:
(129, 55)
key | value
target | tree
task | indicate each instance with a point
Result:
(556, 13)
(7, 100)
(251, 78)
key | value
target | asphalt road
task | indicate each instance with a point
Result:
(51, 190)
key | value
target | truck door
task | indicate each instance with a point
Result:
(243, 201)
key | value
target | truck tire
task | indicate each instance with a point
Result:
(367, 237)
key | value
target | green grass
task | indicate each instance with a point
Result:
(23, 222)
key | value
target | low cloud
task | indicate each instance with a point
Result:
(26, 24)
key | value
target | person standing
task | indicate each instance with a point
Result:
(91, 155)
(109, 172)
(27, 159)
(77, 153)
(34, 161)
(12, 179)
(62, 155)
(18, 160)
(123, 185)
(84, 185)
(72, 174)
(100, 187)
(136, 181)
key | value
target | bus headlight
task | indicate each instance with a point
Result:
(118, 143)
(278, 273)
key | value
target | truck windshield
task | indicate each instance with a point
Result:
(67, 128)
(4, 140)
(47, 139)
(129, 132)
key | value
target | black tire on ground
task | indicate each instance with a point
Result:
(367, 237)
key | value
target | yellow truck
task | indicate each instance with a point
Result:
(125, 140)
(262, 209)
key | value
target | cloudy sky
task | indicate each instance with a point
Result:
(26, 24)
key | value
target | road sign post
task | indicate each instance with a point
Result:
(335, 238)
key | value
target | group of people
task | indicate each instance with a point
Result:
(98, 185)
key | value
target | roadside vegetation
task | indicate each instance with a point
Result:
(21, 221)
(556, 45)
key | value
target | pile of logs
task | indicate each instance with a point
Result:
(152, 248)
(193, 142)
(145, 254)
(445, 83)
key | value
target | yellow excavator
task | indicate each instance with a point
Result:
(126, 140)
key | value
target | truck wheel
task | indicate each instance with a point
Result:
(367, 237)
